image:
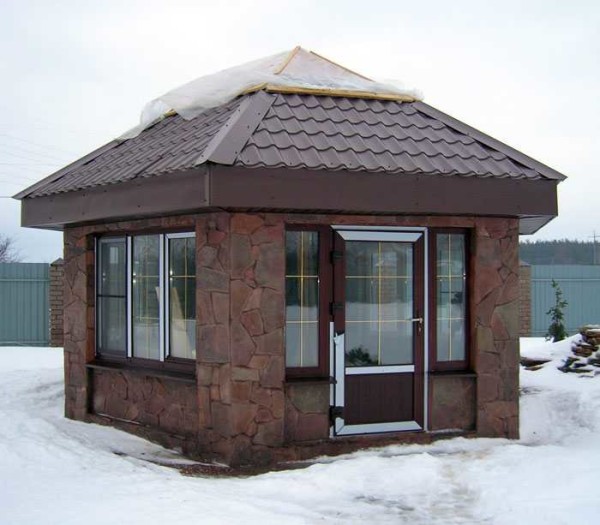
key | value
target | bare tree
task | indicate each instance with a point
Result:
(8, 251)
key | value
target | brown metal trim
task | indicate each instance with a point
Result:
(229, 141)
(377, 193)
(160, 195)
(150, 230)
(321, 371)
(448, 366)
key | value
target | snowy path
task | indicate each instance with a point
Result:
(55, 471)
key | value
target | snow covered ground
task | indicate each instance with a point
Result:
(55, 471)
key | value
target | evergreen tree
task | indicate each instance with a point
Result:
(556, 330)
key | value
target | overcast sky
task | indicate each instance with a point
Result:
(75, 74)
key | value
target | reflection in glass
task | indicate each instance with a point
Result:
(451, 299)
(182, 297)
(112, 291)
(379, 303)
(145, 285)
(302, 299)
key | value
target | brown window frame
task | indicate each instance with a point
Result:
(455, 365)
(325, 284)
(118, 359)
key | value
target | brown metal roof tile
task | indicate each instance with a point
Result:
(302, 131)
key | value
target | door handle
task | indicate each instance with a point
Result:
(417, 320)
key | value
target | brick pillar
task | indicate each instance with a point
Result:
(524, 299)
(57, 274)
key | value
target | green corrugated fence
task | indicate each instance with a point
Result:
(24, 304)
(580, 285)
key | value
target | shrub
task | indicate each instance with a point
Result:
(556, 330)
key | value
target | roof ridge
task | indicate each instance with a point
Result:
(491, 142)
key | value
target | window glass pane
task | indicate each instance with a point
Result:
(302, 299)
(451, 297)
(379, 303)
(182, 297)
(111, 303)
(112, 328)
(145, 287)
(112, 267)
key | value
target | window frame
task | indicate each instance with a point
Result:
(324, 285)
(165, 361)
(97, 318)
(455, 365)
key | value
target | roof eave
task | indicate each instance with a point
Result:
(63, 171)
(489, 141)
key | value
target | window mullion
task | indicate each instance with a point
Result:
(128, 258)
(162, 313)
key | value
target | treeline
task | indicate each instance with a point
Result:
(559, 252)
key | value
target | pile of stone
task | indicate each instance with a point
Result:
(586, 353)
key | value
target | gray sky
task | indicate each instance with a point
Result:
(75, 74)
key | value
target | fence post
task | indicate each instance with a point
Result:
(57, 274)
(524, 299)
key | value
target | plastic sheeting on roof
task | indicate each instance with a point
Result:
(297, 69)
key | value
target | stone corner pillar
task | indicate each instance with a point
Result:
(496, 316)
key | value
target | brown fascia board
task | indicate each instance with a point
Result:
(229, 141)
(491, 142)
(381, 193)
(169, 194)
(67, 169)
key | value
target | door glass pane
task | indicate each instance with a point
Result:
(146, 291)
(111, 304)
(302, 299)
(451, 297)
(182, 297)
(379, 303)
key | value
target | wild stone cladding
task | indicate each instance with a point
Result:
(239, 407)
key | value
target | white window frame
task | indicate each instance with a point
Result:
(163, 286)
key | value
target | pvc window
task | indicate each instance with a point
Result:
(146, 289)
(306, 299)
(450, 306)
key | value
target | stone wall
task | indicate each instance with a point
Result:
(453, 402)
(487, 401)
(79, 308)
(243, 410)
(241, 314)
(524, 300)
(160, 403)
(56, 291)
(495, 311)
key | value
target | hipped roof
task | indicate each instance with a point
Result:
(268, 130)
(354, 126)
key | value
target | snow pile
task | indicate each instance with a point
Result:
(291, 69)
(56, 471)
